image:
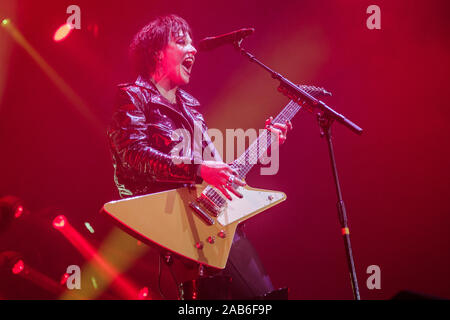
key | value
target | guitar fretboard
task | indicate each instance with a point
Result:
(259, 147)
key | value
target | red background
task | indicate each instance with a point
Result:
(392, 82)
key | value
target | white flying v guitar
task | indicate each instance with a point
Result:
(198, 222)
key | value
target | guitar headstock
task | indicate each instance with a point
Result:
(315, 91)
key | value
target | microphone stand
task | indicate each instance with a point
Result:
(325, 116)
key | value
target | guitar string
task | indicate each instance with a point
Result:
(256, 154)
(290, 110)
(287, 113)
(217, 198)
(294, 108)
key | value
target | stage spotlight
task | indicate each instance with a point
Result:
(5, 22)
(57, 80)
(18, 212)
(12, 260)
(143, 294)
(59, 222)
(11, 208)
(97, 265)
(89, 227)
(64, 279)
(62, 32)
(18, 267)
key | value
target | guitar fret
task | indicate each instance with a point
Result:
(244, 163)
(258, 147)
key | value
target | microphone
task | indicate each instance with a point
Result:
(214, 42)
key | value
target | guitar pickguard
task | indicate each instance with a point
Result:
(252, 201)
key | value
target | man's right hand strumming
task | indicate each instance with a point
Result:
(221, 176)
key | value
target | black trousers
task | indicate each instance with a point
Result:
(249, 278)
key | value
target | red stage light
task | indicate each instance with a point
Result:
(19, 212)
(59, 222)
(62, 32)
(143, 293)
(64, 278)
(18, 267)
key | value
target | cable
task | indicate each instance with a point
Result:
(159, 278)
(176, 283)
(168, 260)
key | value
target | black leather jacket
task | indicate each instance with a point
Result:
(141, 137)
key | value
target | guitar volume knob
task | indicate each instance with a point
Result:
(222, 234)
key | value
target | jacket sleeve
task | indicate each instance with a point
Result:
(129, 140)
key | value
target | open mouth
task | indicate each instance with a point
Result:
(188, 63)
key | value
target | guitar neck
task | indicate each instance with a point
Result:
(259, 147)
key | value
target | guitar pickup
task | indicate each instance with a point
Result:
(202, 214)
(209, 205)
